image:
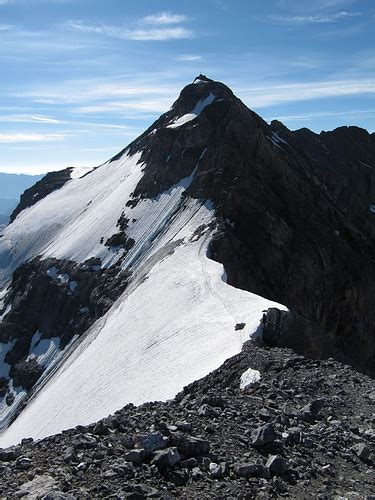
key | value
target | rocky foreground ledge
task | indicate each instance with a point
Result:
(305, 430)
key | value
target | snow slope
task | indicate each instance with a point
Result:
(174, 324)
(70, 222)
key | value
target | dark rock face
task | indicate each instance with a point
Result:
(49, 183)
(166, 450)
(294, 207)
(287, 329)
(57, 308)
(27, 373)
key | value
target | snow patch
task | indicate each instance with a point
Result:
(372, 208)
(249, 377)
(70, 222)
(365, 164)
(43, 351)
(3, 294)
(276, 140)
(78, 172)
(199, 107)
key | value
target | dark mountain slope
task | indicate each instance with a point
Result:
(296, 220)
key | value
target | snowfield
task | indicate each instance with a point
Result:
(70, 222)
(173, 324)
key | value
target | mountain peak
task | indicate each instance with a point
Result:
(201, 79)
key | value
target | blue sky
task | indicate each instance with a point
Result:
(81, 78)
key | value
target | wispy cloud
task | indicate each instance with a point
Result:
(28, 119)
(326, 114)
(7, 27)
(159, 34)
(163, 18)
(30, 137)
(163, 26)
(308, 6)
(81, 91)
(261, 97)
(142, 106)
(189, 57)
(140, 34)
(311, 19)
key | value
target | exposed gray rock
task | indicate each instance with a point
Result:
(263, 435)
(164, 459)
(277, 465)
(362, 451)
(136, 456)
(190, 446)
(153, 442)
(38, 487)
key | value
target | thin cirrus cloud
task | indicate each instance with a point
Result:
(29, 137)
(163, 26)
(7, 27)
(189, 57)
(262, 97)
(71, 92)
(29, 119)
(291, 20)
(90, 97)
(326, 114)
(164, 18)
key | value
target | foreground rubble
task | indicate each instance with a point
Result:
(304, 430)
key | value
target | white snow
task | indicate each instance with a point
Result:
(70, 222)
(2, 300)
(55, 275)
(198, 81)
(174, 324)
(78, 172)
(199, 107)
(44, 350)
(276, 140)
(249, 377)
(365, 164)
(372, 208)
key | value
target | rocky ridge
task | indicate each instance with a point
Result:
(304, 430)
(294, 224)
(294, 208)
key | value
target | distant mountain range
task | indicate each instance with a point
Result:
(11, 187)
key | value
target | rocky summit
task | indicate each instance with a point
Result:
(219, 265)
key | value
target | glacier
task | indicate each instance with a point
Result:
(175, 322)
